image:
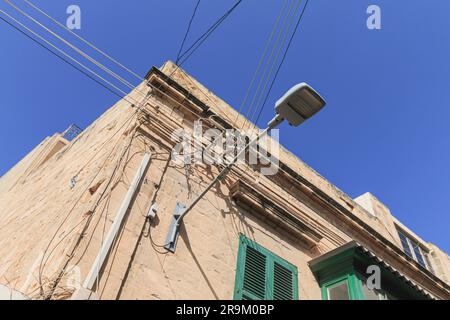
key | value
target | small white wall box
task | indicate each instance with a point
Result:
(153, 211)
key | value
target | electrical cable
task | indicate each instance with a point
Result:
(84, 40)
(92, 45)
(261, 60)
(43, 263)
(79, 70)
(126, 150)
(272, 59)
(141, 234)
(87, 56)
(98, 64)
(63, 52)
(44, 260)
(275, 60)
(74, 66)
(187, 31)
(284, 29)
(207, 33)
(64, 60)
(282, 60)
(84, 54)
(201, 39)
(75, 48)
(127, 121)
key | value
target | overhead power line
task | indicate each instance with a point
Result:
(80, 64)
(78, 50)
(61, 52)
(62, 58)
(71, 58)
(282, 60)
(284, 30)
(71, 64)
(84, 40)
(207, 33)
(82, 53)
(199, 42)
(187, 31)
(275, 60)
(266, 47)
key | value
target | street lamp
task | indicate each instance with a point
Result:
(296, 106)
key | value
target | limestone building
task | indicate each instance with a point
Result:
(74, 218)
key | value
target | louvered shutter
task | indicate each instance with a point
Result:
(254, 287)
(262, 275)
(283, 283)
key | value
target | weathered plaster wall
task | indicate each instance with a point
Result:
(440, 261)
(382, 218)
(42, 216)
(45, 150)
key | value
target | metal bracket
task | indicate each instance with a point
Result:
(174, 230)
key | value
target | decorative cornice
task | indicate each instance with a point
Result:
(249, 198)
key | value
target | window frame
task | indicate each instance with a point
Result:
(354, 290)
(271, 259)
(412, 244)
(355, 287)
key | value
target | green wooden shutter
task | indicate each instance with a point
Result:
(262, 275)
(283, 286)
(255, 266)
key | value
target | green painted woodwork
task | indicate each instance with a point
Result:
(355, 291)
(350, 265)
(262, 275)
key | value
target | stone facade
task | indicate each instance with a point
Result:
(58, 204)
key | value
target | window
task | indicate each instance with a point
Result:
(261, 275)
(413, 250)
(338, 291)
(418, 254)
(341, 287)
(352, 286)
(405, 244)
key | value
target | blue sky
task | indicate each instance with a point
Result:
(386, 126)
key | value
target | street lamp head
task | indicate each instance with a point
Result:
(299, 104)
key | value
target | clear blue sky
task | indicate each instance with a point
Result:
(386, 128)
